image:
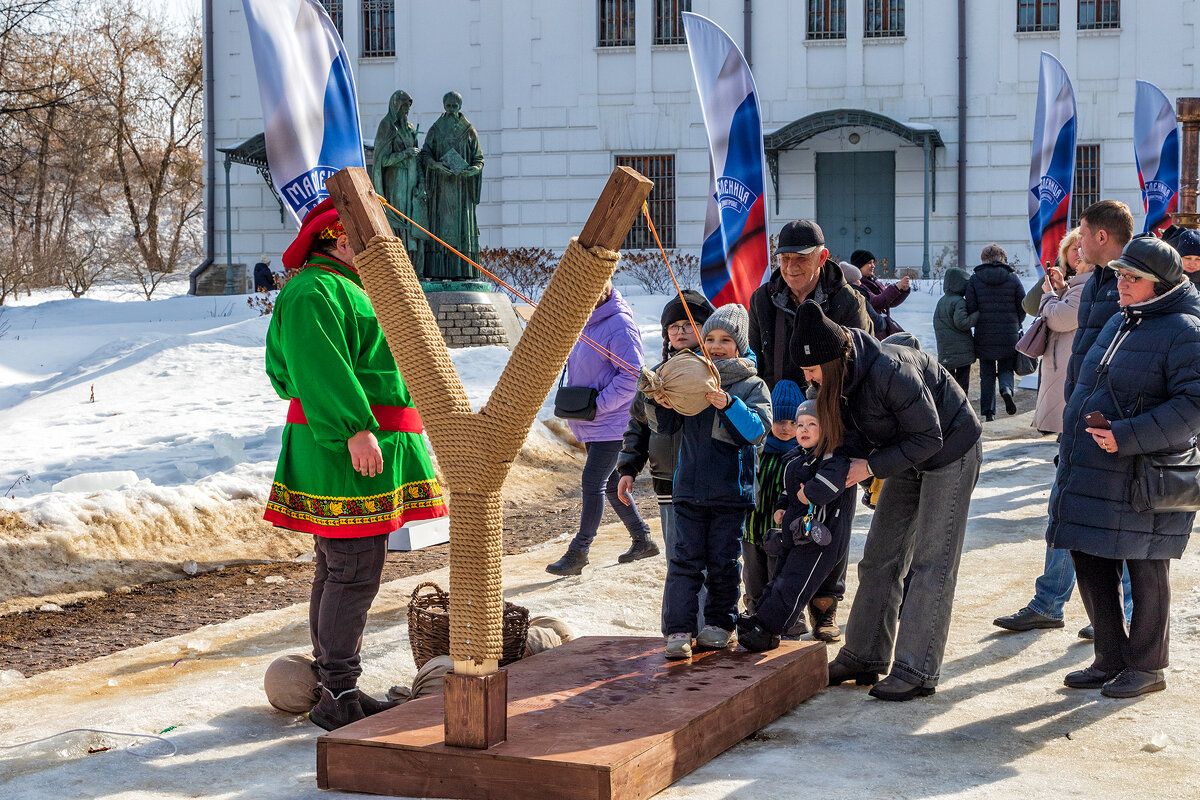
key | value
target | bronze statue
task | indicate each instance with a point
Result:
(452, 164)
(396, 173)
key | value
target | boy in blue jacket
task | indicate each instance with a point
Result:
(713, 487)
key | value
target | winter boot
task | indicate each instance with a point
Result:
(572, 563)
(372, 706)
(823, 611)
(1010, 406)
(641, 548)
(754, 637)
(333, 711)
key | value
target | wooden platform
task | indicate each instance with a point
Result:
(604, 718)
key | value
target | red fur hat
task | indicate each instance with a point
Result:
(320, 223)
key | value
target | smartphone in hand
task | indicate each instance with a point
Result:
(1096, 419)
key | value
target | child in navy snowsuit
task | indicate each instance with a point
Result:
(713, 486)
(814, 512)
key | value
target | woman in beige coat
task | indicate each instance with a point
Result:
(1060, 308)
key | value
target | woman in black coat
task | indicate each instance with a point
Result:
(1143, 376)
(921, 435)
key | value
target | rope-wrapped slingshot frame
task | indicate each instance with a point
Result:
(475, 450)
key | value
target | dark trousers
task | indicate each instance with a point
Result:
(962, 376)
(599, 480)
(989, 372)
(800, 575)
(706, 537)
(1144, 645)
(345, 583)
(834, 584)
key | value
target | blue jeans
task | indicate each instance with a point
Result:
(989, 371)
(599, 480)
(1054, 586)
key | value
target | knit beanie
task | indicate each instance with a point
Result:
(1188, 243)
(734, 320)
(860, 257)
(807, 409)
(697, 303)
(851, 273)
(816, 339)
(784, 398)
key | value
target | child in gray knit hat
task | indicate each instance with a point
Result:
(713, 487)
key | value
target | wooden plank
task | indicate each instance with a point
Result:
(475, 709)
(358, 206)
(599, 718)
(616, 209)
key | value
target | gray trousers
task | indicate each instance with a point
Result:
(920, 523)
(345, 581)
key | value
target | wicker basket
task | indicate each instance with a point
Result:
(429, 626)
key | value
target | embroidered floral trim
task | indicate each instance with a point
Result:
(339, 511)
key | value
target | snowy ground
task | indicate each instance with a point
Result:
(181, 402)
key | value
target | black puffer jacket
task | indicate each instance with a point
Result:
(1097, 305)
(996, 293)
(1143, 374)
(838, 299)
(906, 406)
(952, 324)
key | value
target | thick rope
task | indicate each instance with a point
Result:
(475, 451)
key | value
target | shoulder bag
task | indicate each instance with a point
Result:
(574, 402)
(1033, 341)
(1166, 482)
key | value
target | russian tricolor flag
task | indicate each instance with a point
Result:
(734, 259)
(310, 109)
(1156, 150)
(1052, 166)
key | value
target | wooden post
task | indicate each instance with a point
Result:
(476, 718)
(1187, 113)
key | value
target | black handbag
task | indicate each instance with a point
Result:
(574, 402)
(1026, 365)
(1166, 482)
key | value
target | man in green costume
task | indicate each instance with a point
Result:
(453, 164)
(354, 465)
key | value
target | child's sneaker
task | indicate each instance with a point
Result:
(713, 638)
(679, 645)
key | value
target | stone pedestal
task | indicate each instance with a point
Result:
(471, 318)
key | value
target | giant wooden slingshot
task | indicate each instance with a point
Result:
(597, 718)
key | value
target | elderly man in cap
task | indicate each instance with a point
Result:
(805, 273)
(354, 465)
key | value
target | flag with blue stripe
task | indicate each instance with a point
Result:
(1156, 151)
(1052, 166)
(310, 108)
(734, 258)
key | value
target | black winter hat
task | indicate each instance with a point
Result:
(800, 236)
(1151, 258)
(860, 257)
(698, 304)
(816, 338)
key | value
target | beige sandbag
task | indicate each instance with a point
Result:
(427, 681)
(291, 684)
(565, 634)
(684, 379)
(539, 640)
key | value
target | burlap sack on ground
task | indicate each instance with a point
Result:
(545, 633)
(291, 685)
(427, 681)
(684, 379)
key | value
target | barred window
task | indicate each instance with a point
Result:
(1037, 15)
(668, 22)
(661, 170)
(826, 19)
(334, 9)
(379, 28)
(1087, 180)
(614, 26)
(884, 18)
(1099, 14)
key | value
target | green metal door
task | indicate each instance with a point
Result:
(856, 205)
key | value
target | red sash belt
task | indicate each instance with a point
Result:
(390, 418)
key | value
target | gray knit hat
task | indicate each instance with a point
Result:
(734, 320)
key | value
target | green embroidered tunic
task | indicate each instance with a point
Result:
(327, 354)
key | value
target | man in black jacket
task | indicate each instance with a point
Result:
(996, 293)
(805, 273)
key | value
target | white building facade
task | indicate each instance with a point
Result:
(853, 94)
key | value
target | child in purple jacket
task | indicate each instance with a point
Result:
(611, 326)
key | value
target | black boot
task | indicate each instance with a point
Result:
(333, 711)
(753, 636)
(839, 673)
(641, 548)
(1010, 406)
(572, 563)
(372, 706)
